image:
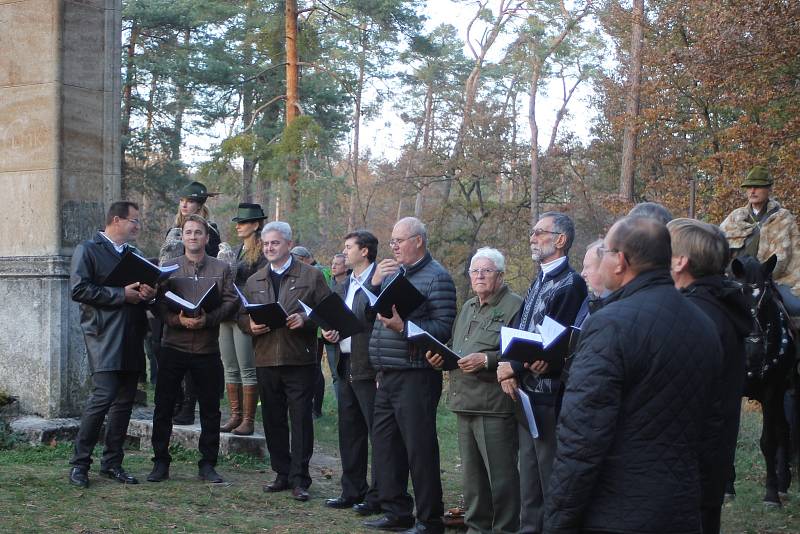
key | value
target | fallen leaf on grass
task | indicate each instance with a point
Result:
(327, 472)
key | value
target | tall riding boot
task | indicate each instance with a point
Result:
(186, 415)
(234, 399)
(249, 402)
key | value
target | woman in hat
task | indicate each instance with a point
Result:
(236, 346)
(192, 200)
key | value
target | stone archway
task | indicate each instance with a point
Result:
(59, 169)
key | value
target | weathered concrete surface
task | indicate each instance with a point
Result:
(188, 436)
(59, 170)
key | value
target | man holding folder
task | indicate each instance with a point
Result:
(487, 426)
(286, 358)
(356, 378)
(191, 345)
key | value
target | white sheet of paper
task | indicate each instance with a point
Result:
(414, 330)
(175, 298)
(370, 295)
(508, 333)
(550, 330)
(527, 407)
(241, 296)
(305, 308)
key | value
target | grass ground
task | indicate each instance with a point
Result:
(35, 497)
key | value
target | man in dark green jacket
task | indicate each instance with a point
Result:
(487, 427)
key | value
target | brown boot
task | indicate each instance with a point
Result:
(234, 399)
(250, 399)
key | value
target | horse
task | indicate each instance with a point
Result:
(770, 369)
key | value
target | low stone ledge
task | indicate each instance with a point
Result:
(38, 431)
(188, 436)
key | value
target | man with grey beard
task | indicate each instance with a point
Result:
(557, 292)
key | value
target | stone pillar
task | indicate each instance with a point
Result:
(59, 169)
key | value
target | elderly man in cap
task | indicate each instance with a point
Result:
(763, 228)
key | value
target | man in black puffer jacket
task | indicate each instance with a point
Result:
(404, 425)
(636, 407)
(699, 255)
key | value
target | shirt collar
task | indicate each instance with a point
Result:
(118, 248)
(360, 279)
(283, 268)
(551, 266)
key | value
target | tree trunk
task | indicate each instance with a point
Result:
(130, 81)
(181, 96)
(632, 103)
(248, 95)
(292, 97)
(537, 72)
(355, 198)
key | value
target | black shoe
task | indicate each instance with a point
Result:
(396, 524)
(119, 474)
(208, 474)
(422, 528)
(365, 508)
(300, 494)
(159, 473)
(279, 484)
(340, 503)
(79, 476)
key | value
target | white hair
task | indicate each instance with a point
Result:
(491, 254)
(281, 227)
(415, 227)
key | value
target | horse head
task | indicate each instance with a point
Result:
(767, 347)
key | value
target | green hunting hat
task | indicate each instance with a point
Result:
(249, 212)
(758, 177)
(197, 192)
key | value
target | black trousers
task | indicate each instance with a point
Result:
(112, 393)
(356, 407)
(404, 434)
(206, 373)
(319, 385)
(286, 392)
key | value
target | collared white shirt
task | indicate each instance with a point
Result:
(282, 269)
(356, 283)
(118, 248)
(551, 266)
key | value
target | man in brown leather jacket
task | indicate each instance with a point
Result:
(190, 344)
(286, 358)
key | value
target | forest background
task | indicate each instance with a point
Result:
(684, 97)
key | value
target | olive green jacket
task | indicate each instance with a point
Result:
(477, 329)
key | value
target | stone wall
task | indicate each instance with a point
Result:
(59, 169)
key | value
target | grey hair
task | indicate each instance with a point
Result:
(416, 227)
(651, 210)
(593, 244)
(491, 254)
(563, 225)
(281, 227)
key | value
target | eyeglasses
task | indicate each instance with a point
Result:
(539, 231)
(396, 242)
(136, 222)
(602, 250)
(482, 272)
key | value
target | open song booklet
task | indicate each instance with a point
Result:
(528, 347)
(210, 300)
(272, 314)
(134, 268)
(333, 314)
(424, 341)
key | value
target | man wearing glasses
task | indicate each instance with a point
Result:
(639, 401)
(487, 425)
(114, 324)
(557, 292)
(408, 388)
